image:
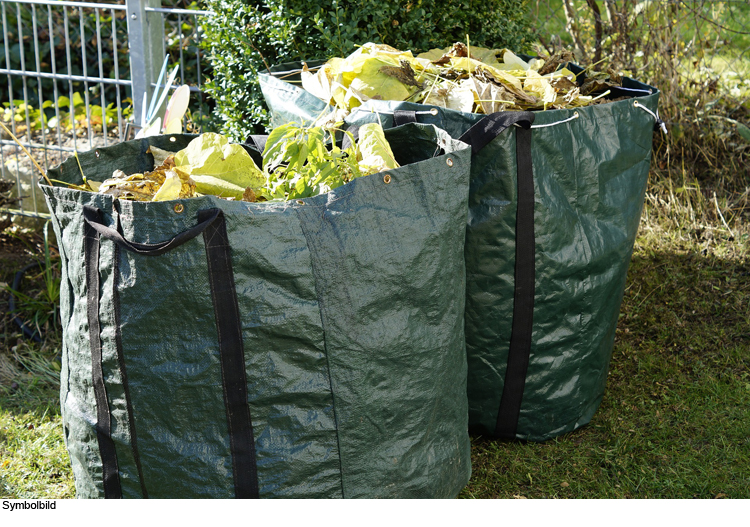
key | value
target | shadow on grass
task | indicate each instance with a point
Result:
(675, 419)
(674, 422)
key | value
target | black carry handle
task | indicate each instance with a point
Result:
(92, 217)
(487, 129)
(212, 224)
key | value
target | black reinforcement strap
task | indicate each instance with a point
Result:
(479, 136)
(404, 117)
(110, 471)
(124, 371)
(231, 349)
(212, 224)
(523, 298)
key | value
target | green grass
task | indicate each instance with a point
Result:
(34, 460)
(675, 419)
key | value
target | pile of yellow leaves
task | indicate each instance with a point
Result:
(298, 162)
(468, 79)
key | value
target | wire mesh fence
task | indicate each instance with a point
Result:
(76, 75)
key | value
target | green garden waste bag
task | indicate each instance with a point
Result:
(553, 212)
(310, 348)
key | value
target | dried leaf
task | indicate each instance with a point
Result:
(437, 96)
(515, 87)
(485, 56)
(434, 54)
(492, 98)
(249, 195)
(170, 189)
(364, 77)
(555, 61)
(512, 62)
(591, 85)
(563, 84)
(539, 87)
(160, 156)
(404, 73)
(438, 77)
(321, 83)
(461, 97)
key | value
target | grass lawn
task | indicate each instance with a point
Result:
(674, 423)
(675, 419)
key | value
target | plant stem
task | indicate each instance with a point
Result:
(44, 174)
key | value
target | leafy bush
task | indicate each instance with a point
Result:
(245, 37)
(698, 58)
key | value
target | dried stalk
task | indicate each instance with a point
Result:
(44, 174)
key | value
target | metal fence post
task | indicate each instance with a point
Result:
(147, 50)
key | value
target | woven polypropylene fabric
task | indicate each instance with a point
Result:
(351, 305)
(590, 175)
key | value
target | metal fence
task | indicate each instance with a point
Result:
(77, 73)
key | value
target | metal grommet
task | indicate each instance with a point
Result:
(300, 202)
(179, 207)
(576, 114)
(449, 162)
(97, 154)
(434, 111)
(635, 103)
(387, 179)
(172, 139)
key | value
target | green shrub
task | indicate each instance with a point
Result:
(247, 36)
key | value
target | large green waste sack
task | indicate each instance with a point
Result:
(311, 348)
(550, 232)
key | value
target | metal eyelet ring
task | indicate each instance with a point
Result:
(449, 162)
(576, 114)
(300, 202)
(172, 139)
(434, 111)
(387, 179)
(179, 207)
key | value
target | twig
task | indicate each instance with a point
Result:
(597, 29)
(44, 174)
(716, 202)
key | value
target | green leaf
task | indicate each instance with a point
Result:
(744, 131)
(362, 76)
(276, 143)
(217, 187)
(375, 153)
(211, 154)
(434, 54)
